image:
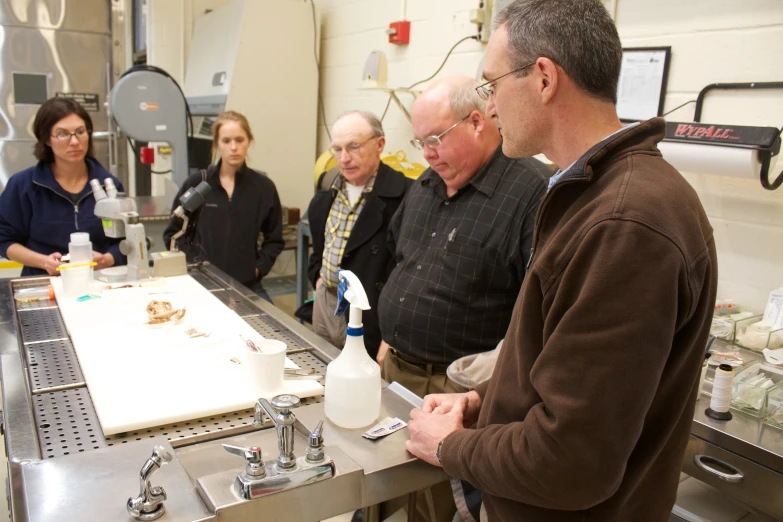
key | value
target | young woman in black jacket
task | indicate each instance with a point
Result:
(242, 206)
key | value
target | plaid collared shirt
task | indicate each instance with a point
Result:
(339, 223)
(460, 260)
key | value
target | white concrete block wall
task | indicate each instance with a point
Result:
(712, 41)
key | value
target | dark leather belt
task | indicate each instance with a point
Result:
(429, 368)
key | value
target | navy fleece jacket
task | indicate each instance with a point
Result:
(36, 212)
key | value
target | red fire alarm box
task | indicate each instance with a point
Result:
(400, 32)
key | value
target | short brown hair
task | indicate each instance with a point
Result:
(225, 117)
(579, 36)
(52, 111)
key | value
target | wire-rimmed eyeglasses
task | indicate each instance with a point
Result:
(64, 135)
(434, 142)
(487, 90)
(352, 148)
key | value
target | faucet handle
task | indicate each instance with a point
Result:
(315, 446)
(252, 455)
(285, 402)
(161, 455)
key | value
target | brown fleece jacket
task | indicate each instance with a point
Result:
(588, 411)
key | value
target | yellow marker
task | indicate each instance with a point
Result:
(77, 265)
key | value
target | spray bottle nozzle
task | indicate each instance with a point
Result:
(351, 292)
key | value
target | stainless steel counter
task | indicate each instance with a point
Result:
(61, 467)
(743, 458)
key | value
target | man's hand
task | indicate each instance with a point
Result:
(443, 403)
(382, 349)
(103, 260)
(319, 283)
(428, 429)
(52, 262)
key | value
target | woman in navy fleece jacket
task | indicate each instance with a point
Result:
(41, 206)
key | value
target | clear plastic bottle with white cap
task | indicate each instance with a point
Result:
(80, 248)
(352, 398)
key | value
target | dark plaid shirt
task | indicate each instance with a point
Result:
(460, 260)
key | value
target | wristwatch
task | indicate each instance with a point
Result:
(437, 452)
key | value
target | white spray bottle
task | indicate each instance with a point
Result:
(353, 379)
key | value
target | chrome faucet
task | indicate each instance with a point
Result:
(148, 505)
(284, 422)
(287, 471)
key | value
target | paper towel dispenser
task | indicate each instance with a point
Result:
(728, 150)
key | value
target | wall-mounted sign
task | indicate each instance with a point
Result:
(87, 100)
(642, 86)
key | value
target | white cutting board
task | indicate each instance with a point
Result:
(141, 376)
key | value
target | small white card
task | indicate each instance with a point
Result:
(386, 427)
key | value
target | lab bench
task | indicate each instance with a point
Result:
(62, 467)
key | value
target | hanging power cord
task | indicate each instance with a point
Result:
(678, 107)
(318, 68)
(474, 37)
(440, 68)
(386, 109)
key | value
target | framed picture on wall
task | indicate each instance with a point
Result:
(642, 86)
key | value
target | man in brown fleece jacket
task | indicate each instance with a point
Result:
(588, 412)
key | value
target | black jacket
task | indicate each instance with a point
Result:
(366, 253)
(227, 231)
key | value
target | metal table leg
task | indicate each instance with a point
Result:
(412, 507)
(302, 255)
(371, 513)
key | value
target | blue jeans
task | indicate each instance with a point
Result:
(258, 289)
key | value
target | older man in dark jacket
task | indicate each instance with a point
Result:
(349, 222)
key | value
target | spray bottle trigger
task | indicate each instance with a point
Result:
(342, 302)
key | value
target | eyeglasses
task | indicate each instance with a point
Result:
(487, 90)
(64, 135)
(351, 148)
(434, 142)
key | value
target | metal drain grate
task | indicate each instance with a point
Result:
(66, 423)
(200, 430)
(272, 329)
(192, 431)
(308, 361)
(36, 305)
(237, 303)
(42, 325)
(205, 281)
(53, 364)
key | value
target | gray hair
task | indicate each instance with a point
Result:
(579, 35)
(464, 99)
(372, 120)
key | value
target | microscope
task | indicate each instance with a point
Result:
(121, 220)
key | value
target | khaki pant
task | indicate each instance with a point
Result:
(325, 323)
(421, 383)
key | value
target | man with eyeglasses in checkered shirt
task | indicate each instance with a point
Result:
(461, 240)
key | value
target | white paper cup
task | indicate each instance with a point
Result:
(266, 369)
(76, 281)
